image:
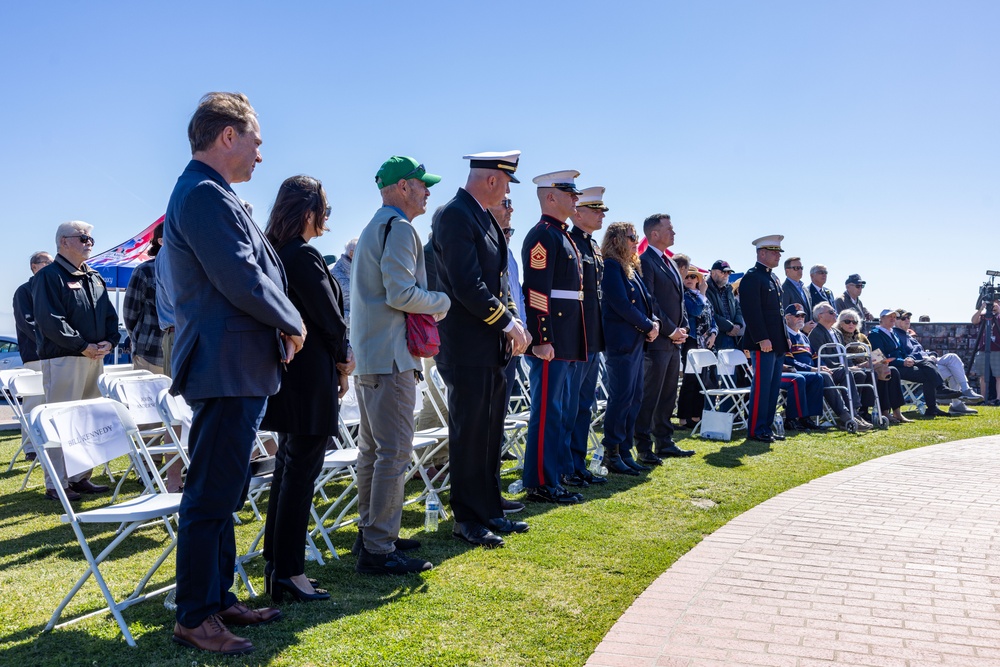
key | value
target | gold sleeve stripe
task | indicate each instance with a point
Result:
(497, 315)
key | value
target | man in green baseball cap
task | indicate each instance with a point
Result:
(400, 168)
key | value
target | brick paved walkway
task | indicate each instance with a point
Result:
(893, 563)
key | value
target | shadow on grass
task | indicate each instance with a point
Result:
(729, 457)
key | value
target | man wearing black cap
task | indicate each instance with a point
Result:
(725, 307)
(553, 300)
(852, 297)
(760, 296)
(478, 337)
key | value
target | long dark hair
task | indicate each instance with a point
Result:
(297, 197)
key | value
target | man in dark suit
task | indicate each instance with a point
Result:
(662, 360)
(477, 339)
(765, 337)
(235, 327)
(818, 291)
(794, 291)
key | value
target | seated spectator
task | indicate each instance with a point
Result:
(852, 297)
(803, 386)
(887, 383)
(950, 365)
(799, 360)
(862, 398)
(342, 272)
(884, 339)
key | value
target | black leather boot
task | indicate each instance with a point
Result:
(613, 461)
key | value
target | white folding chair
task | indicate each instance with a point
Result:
(913, 394)
(427, 443)
(5, 377)
(726, 399)
(140, 395)
(27, 385)
(91, 433)
(106, 380)
(339, 466)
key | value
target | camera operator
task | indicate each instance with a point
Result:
(979, 363)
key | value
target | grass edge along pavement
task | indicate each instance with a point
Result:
(548, 598)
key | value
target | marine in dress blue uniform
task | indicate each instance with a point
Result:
(589, 216)
(553, 301)
(760, 298)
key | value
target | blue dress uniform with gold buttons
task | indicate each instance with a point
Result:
(472, 270)
(760, 298)
(553, 301)
(583, 380)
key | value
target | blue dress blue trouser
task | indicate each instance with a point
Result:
(579, 410)
(547, 448)
(625, 375)
(222, 437)
(763, 399)
(804, 394)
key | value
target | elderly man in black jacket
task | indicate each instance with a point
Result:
(726, 309)
(76, 327)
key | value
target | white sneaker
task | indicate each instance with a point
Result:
(971, 397)
(959, 408)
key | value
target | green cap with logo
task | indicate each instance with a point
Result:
(398, 168)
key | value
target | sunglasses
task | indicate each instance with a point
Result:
(507, 204)
(822, 272)
(328, 211)
(416, 173)
(849, 321)
(795, 268)
(632, 237)
(84, 238)
(509, 231)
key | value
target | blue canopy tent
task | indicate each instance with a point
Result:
(116, 265)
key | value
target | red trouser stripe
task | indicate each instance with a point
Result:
(756, 391)
(795, 389)
(541, 422)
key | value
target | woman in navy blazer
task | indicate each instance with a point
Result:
(305, 410)
(628, 323)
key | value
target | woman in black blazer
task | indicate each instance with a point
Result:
(627, 312)
(305, 410)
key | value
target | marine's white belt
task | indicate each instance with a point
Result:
(566, 294)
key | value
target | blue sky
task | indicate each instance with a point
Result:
(865, 132)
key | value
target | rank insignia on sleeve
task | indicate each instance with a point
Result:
(538, 256)
(538, 301)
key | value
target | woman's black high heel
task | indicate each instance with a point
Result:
(269, 570)
(281, 586)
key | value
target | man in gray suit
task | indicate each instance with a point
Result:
(235, 327)
(389, 280)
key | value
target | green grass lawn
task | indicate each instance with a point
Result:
(546, 599)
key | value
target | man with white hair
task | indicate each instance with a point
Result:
(818, 291)
(342, 272)
(76, 326)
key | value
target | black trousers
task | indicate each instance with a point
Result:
(296, 467)
(476, 412)
(890, 392)
(222, 437)
(661, 369)
(927, 375)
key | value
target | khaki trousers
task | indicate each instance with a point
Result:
(69, 379)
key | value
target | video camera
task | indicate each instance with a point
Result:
(988, 291)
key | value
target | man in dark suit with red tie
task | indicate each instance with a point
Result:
(661, 365)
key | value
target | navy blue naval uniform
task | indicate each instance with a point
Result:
(554, 315)
(583, 380)
(760, 298)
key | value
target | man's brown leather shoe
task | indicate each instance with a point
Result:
(240, 614)
(212, 636)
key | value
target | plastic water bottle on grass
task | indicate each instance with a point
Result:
(597, 463)
(432, 514)
(515, 487)
(779, 425)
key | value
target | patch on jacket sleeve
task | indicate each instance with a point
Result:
(538, 301)
(539, 257)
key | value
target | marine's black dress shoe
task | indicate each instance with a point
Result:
(504, 525)
(509, 506)
(476, 534)
(574, 480)
(673, 451)
(591, 478)
(552, 494)
(762, 437)
(401, 544)
(649, 458)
